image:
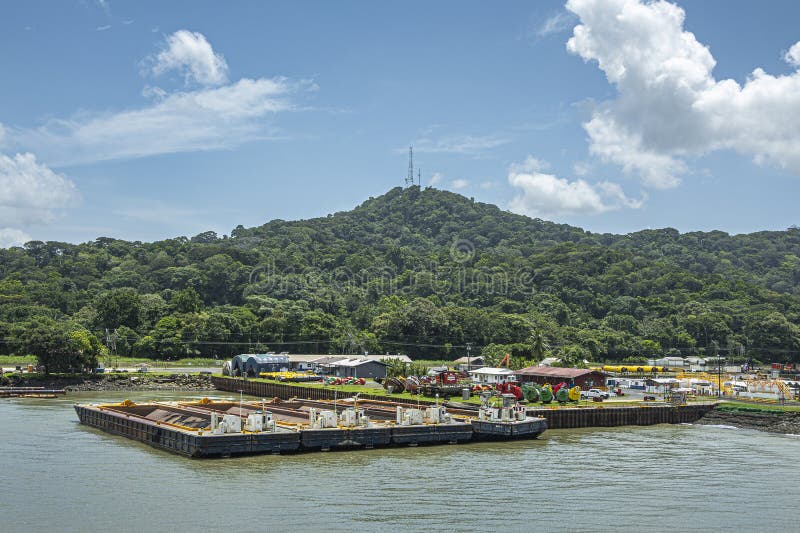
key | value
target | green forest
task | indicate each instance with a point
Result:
(421, 272)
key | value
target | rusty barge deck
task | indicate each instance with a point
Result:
(194, 429)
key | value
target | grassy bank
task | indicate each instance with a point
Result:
(747, 407)
(112, 362)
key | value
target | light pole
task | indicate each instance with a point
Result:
(719, 377)
(469, 358)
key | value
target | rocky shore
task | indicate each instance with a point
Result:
(113, 382)
(773, 422)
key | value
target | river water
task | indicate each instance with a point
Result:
(56, 475)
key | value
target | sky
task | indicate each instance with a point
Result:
(151, 120)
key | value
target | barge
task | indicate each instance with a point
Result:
(208, 428)
(30, 392)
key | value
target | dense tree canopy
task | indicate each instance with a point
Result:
(422, 272)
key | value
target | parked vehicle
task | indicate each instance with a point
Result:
(591, 394)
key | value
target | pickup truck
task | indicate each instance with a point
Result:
(594, 393)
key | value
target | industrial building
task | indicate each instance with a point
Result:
(253, 364)
(354, 368)
(490, 375)
(582, 377)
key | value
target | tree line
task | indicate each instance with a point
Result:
(422, 272)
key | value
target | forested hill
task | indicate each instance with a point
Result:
(416, 271)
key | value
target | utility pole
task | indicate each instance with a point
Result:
(719, 368)
(469, 357)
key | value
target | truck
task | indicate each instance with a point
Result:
(591, 394)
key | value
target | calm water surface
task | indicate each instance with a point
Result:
(56, 475)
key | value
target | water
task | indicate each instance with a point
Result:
(60, 476)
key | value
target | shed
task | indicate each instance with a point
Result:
(471, 362)
(585, 378)
(253, 364)
(492, 375)
(357, 368)
(661, 384)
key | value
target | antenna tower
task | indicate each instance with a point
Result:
(410, 177)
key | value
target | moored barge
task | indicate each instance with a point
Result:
(225, 428)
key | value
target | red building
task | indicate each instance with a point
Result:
(582, 377)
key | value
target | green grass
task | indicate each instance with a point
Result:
(14, 360)
(112, 361)
(434, 362)
(756, 408)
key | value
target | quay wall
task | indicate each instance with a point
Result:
(587, 417)
(558, 418)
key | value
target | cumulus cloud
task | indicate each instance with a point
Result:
(669, 106)
(546, 195)
(190, 54)
(13, 237)
(206, 118)
(793, 55)
(459, 184)
(31, 193)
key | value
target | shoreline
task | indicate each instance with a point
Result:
(113, 382)
(767, 421)
(761, 420)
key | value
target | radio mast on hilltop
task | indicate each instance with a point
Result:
(410, 177)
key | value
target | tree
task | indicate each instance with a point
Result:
(119, 307)
(187, 301)
(57, 347)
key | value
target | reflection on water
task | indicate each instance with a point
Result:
(68, 477)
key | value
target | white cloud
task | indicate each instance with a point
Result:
(436, 179)
(190, 54)
(31, 193)
(458, 144)
(206, 119)
(103, 28)
(529, 166)
(459, 184)
(487, 185)
(793, 55)
(581, 168)
(556, 23)
(13, 237)
(545, 195)
(669, 106)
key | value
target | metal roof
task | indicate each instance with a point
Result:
(556, 372)
(492, 371)
(465, 360)
(356, 362)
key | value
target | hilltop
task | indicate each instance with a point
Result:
(415, 271)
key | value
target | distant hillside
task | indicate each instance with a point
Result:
(417, 271)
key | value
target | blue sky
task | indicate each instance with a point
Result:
(148, 120)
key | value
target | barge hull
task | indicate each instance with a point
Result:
(448, 433)
(190, 445)
(489, 430)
